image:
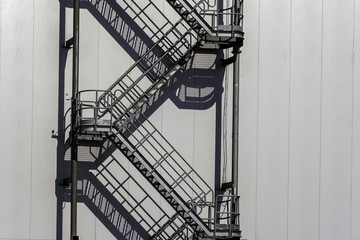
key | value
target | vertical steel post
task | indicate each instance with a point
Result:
(236, 16)
(235, 121)
(75, 89)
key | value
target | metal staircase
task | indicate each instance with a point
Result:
(118, 114)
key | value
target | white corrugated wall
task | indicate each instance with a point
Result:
(300, 105)
(299, 124)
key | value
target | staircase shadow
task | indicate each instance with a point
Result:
(107, 208)
(134, 38)
(114, 195)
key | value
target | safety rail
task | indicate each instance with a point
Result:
(226, 20)
(222, 215)
(142, 13)
(164, 157)
(174, 228)
(160, 153)
(93, 116)
(219, 20)
(227, 215)
(135, 84)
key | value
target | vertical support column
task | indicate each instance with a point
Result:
(74, 148)
(237, 11)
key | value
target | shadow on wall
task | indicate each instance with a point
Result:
(198, 85)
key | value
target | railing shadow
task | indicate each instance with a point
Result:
(135, 37)
(107, 208)
(113, 194)
(193, 87)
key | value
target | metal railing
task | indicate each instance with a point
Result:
(163, 157)
(174, 228)
(222, 215)
(135, 84)
(142, 13)
(226, 20)
(227, 214)
(91, 114)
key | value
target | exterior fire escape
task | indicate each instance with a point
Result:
(117, 115)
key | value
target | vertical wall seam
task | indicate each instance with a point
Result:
(289, 119)
(98, 56)
(0, 38)
(97, 87)
(321, 112)
(352, 121)
(257, 124)
(32, 113)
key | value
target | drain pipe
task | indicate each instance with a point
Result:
(235, 120)
(74, 148)
(235, 133)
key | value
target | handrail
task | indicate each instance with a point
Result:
(89, 108)
(226, 214)
(127, 88)
(209, 14)
(161, 154)
(233, 14)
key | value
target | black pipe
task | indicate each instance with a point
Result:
(74, 148)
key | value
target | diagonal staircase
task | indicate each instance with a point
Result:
(118, 115)
(161, 182)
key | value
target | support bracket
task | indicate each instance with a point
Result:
(65, 182)
(226, 185)
(69, 43)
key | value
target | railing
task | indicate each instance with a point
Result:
(227, 214)
(91, 114)
(142, 13)
(227, 19)
(174, 227)
(164, 158)
(223, 215)
(203, 6)
(135, 84)
(220, 18)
